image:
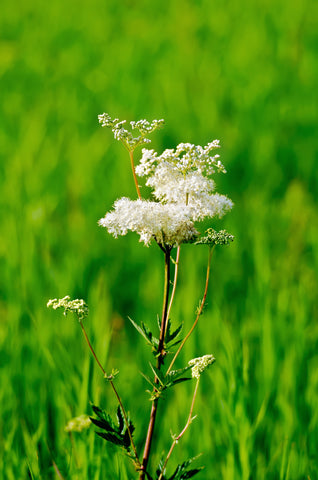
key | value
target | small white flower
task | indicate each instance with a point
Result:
(124, 135)
(77, 306)
(166, 223)
(200, 364)
(78, 424)
(180, 182)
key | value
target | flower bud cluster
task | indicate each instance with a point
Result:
(213, 237)
(184, 159)
(125, 136)
(79, 307)
(200, 364)
(78, 424)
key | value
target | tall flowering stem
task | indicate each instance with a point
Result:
(164, 319)
(199, 312)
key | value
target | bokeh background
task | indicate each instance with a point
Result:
(244, 72)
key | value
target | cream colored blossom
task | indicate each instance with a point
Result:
(78, 306)
(183, 176)
(166, 223)
(182, 188)
(200, 364)
(124, 135)
(78, 424)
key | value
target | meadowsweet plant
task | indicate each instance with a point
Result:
(183, 195)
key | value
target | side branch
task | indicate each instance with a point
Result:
(176, 271)
(115, 391)
(131, 155)
(211, 250)
(177, 438)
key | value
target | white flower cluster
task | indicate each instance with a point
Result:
(79, 307)
(166, 223)
(200, 364)
(146, 127)
(185, 158)
(126, 137)
(181, 176)
(182, 189)
(78, 424)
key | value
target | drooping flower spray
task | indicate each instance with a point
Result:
(183, 194)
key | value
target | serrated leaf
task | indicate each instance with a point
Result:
(146, 334)
(149, 381)
(180, 380)
(181, 473)
(158, 374)
(176, 472)
(126, 440)
(190, 473)
(140, 330)
(146, 331)
(98, 411)
(174, 374)
(170, 345)
(111, 437)
(102, 424)
(105, 418)
(173, 335)
(131, 427)
(120, 419)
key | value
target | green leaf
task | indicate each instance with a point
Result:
(102, 424)
(149, 380)
(126, 440)
(104, 418)
(111, 437)
(158, 374)
(120, 419)
(181, 473)
(141, 330)
(174, 374)
(190, 473)
(131, 427)
(180, 380)
(146, 333)
(171, 336)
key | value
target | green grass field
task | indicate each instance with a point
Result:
(243, 72)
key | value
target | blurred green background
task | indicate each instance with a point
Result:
(243, 72)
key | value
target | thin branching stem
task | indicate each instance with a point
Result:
(199, 312)
(177, 438)
(161, 355)
(131, 155)
(115, 392)
(176, 270)
(164, 316)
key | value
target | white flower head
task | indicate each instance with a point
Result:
(166, 223)
(125, 136)
(184, 159)
(183, 176)
(77, 306)
(181, 183)
(78, 424)
(200, 364)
